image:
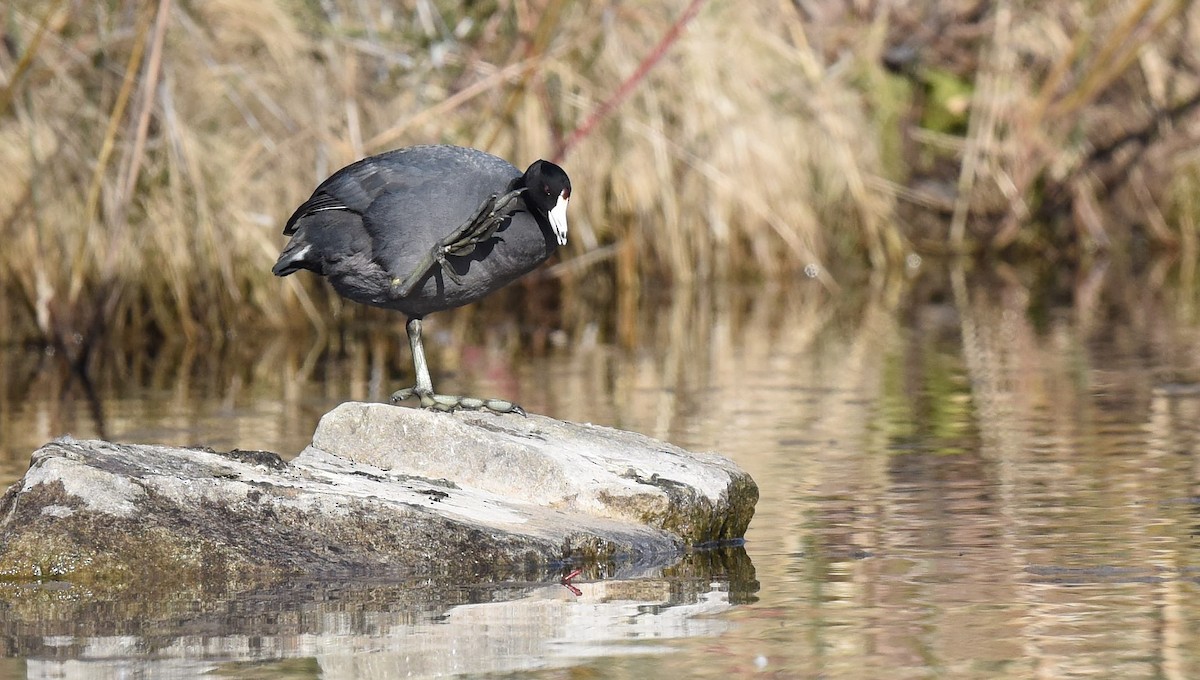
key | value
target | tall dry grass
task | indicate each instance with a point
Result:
(149, 151)
(1076, 119)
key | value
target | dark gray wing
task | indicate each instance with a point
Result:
(354, 188)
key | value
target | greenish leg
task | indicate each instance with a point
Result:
(442, 402)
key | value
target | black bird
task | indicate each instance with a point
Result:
(427, 228)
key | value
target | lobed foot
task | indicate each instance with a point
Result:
(452, 402)
(459, 243)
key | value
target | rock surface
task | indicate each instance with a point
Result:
(381, 490)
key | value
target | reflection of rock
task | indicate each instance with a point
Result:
(728, 565)
(546, 628)
(382, 489)
(337, 630)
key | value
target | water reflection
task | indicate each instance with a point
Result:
(971, 475)
(365, 629)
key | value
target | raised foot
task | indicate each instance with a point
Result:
(460, 242)
(452, 402)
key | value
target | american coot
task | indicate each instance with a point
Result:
(428, 228)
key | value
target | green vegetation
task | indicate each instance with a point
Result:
(150, 151)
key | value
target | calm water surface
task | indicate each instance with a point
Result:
(960, 478)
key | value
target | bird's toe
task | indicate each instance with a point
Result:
(452, 402)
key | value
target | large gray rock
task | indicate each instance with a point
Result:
(381, 490)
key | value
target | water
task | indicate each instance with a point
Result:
(968, 478)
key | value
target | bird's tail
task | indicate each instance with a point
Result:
(292, 259)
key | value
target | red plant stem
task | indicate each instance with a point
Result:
(601, 112)
(566, 581)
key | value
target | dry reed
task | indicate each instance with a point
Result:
(150, 151)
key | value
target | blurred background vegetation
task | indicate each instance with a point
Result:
(150, 151)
